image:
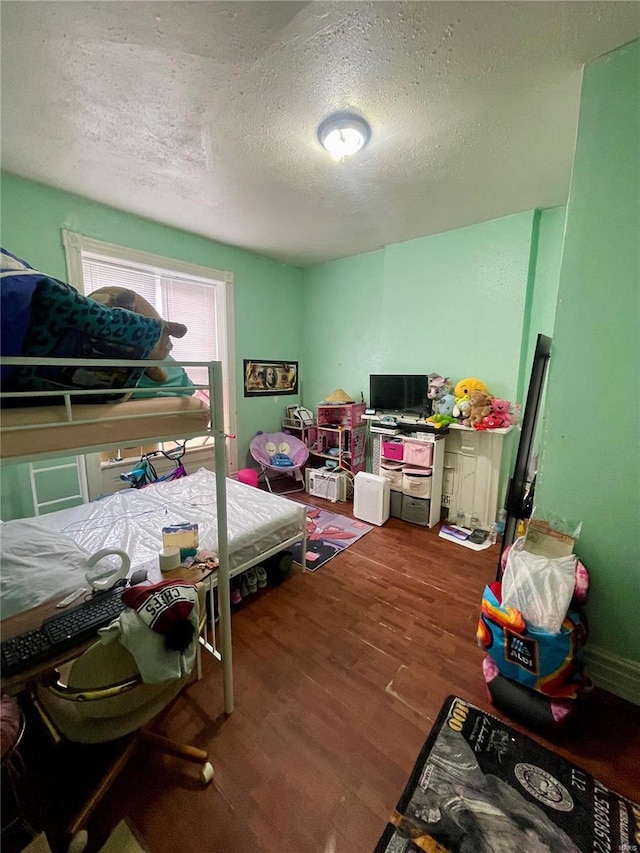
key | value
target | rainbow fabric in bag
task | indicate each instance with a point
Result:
(551, 663)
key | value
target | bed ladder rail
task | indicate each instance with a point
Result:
(77, 464)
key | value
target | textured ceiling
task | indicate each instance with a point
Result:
(204, 115)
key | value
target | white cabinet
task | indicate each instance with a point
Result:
(473, 461)
(469, 471)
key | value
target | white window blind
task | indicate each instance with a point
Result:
(192, 302)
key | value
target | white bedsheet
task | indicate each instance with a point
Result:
(133, 520)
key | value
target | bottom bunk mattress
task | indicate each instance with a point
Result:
(42, 558)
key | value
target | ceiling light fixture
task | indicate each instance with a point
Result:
(343, 134)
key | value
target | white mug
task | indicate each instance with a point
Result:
(105, 577)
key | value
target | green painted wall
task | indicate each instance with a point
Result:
(342, 325)
(268, 294)
(591, 463)
(453, 303)
(544, 277)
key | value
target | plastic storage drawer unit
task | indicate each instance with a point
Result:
(392, 450)
(418, 453)
(415, 510)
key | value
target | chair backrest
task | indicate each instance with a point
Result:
(264, 445)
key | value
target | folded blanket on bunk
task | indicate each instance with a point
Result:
(42, 316)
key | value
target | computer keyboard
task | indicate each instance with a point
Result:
(59, 632)
(25, 650)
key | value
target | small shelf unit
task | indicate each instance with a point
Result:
(411, 457)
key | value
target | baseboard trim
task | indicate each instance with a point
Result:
(615, 674)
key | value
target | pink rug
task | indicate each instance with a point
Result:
(327, 535)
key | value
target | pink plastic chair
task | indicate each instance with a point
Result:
(270, 448)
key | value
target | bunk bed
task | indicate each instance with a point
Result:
(243, 525)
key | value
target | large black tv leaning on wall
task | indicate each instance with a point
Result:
(394, 392)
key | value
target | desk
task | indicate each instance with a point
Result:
(33, 618)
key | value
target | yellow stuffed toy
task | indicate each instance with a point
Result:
(462, 393)
(465, 387)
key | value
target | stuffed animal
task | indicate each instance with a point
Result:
(462, 392)
(466, 386)
(480, 407)
(439, 421)
(121, 297)
(438, 386)
(515, 413)
(500, 412)
(488, 422)
(445, 405)
(461, 409)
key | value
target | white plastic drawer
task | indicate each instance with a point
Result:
(417, 485)
(418, 453)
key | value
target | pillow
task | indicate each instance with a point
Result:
(177, 383)
(36, 565)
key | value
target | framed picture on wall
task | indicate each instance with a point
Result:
(270, 378)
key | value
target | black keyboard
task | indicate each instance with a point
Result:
(60, 632)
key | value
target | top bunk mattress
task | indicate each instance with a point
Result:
(132, 520)
(38, 430)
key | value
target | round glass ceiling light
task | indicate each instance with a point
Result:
(343, 134)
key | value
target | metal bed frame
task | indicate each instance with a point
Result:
(223, 650)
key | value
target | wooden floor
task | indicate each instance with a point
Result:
(339, 675)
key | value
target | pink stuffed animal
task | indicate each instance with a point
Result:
(500, 412)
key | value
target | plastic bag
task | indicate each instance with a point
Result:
(540, 587)
(581, 587)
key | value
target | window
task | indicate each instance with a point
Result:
(199, 297)
(184, 300)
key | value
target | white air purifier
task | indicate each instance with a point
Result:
(371, 495)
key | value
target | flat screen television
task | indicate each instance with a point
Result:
(398, 392)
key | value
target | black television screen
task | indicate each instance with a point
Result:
(398, 392)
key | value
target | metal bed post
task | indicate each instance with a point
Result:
(224, 593)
